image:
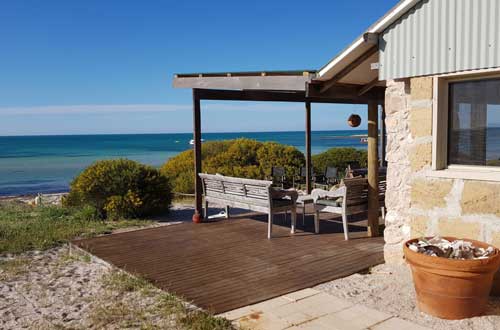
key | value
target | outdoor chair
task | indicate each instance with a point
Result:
(300, 179)
(328, 179)
(351, 197)
(278, 176)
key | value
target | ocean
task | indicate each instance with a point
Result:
(47, 164)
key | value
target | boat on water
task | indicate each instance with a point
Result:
(363, 140)
(191, 142)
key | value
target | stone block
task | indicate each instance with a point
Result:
(458, 228)
(495, 239)
(393, 254)
(418, 226)
(428, 194)
(481, 198)
(421, 122)
(421, 88)
(420, 156)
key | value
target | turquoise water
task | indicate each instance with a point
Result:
(31, 164)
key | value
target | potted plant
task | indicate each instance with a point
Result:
(452, 281)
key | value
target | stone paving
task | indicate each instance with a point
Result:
(310, 309)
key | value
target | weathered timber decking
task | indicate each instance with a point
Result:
(228, 264)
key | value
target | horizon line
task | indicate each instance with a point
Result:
(167, 133)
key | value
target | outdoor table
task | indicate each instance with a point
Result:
(302, 201)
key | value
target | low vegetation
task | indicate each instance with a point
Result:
(24, 228)
(241, 158)
(339, 158)
(120, 188)
(161, 306)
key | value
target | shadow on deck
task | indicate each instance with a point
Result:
(226, 264)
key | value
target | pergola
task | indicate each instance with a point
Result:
(353, 83)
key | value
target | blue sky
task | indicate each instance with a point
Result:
(106, 66)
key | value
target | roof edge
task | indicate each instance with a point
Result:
(379, 26)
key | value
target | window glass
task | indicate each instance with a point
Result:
(474, 123)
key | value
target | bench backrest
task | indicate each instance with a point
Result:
(248, 191)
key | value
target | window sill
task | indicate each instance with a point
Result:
(479, 174)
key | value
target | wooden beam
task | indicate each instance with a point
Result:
(344, 72)
(197, 153)
(347, 92)
(308, 148)
(251, 95)
(368, 86)
(229, 81)
(333, 96)
(373, 193)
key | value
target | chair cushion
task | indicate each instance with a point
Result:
(330, 202)
(279, 202)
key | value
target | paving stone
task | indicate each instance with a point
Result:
(396, 323)
(264, 307)
(298, 295)
(262, 321)
(315, 324)
(291, 313)
(353, 318)
(270, 304)
(322, 304)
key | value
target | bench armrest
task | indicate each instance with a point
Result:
(320, 193)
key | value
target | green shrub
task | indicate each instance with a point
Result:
(121, 188)
(339, 158)
(240, 158)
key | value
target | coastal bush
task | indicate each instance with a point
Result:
(121, 188)
(339, 158)
(240, 158)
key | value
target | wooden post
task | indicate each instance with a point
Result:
(308, 148)
(373, 194)
(197, 156)
(383, 138)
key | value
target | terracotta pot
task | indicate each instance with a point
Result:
(452, 289)
(197, 218)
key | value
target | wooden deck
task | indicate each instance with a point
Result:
(228, 264)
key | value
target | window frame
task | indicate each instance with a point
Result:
(440, 126)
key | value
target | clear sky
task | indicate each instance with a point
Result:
(106, 66)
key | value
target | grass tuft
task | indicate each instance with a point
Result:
(24, 228)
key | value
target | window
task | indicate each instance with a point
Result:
(466, 126)
(474, 122)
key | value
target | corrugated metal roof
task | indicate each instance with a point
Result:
(441, 36)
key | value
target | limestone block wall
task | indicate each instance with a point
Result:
(420, 205)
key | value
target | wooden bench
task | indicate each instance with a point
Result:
(351, 198)
(254, 195)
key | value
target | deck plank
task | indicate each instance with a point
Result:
(228, 264)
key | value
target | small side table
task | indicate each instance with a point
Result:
(302, 201)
